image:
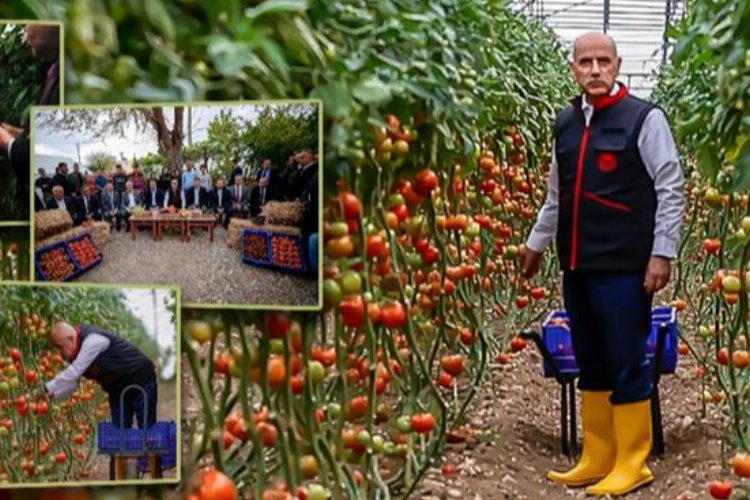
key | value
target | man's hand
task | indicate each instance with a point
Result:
(531, 262)
(5, 138)
(657, 274)
(14, 131)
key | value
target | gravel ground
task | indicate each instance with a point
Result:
(208, 273)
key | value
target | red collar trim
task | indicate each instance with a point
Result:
(610, 100)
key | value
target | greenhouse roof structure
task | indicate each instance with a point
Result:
(638, 27)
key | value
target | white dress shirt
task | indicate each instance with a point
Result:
(659, 154)
(66, 382)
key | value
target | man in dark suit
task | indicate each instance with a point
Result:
(268, 186)
(61, 178)
(153, 197)
(109, 204)
(88, 206)
(236, 171)
(220, 201)
(44, 41)
(61, 202)
(240, 198)
(197, 196)
(44, 182)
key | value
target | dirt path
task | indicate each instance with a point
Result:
(516, 417)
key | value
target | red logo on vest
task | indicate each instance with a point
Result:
(607, 162)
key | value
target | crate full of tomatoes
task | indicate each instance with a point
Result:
(288, 252)
(84, 251)
(55, 262)
(256, 247)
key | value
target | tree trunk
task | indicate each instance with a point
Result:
(169, 142)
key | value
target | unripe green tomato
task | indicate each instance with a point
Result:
(389, 449)
(364, 438)
(473, 230)
(367, 297)
(277, 346)
(316, 371)
(414, 260)
(377, 444)
(395, 200)
(234, 368)
(334, 410)
(351, 282)
(338, 229)
(316, 492)
(332, 293)
(403, 424)
(408, 290)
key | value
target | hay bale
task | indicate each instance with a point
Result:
(70, 233)
(100, 233)
(51, 222)
(236, 226)
(284, 213)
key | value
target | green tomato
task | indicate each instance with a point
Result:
(339, 229)
(316, 492)
(277, 346)
(473, 230)
(14, 383)
(332, 293)
(364, 438)
(403, 424)
(395, 200)
(351, 282)
(4, 389)
(414, 260)
(377, 444)
(334, 410)
(316, 371)
(4, 432)
(234, 368)
(389, 449)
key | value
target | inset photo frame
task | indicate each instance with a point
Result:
(221, 199)
(89, 385)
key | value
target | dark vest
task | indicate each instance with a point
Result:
(607, 198)
(120, 365)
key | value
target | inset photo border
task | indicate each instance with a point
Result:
(74, 360)
(223, 199)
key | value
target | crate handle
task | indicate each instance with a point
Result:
(122, 412)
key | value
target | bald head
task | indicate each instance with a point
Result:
(595, 63)
(64, 337)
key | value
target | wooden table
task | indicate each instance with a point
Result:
(169, 220)
(148, 219)
(207, 221)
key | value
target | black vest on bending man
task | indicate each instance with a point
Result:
(607, 200)
(119, 366)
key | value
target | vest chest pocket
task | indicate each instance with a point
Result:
(609, 148)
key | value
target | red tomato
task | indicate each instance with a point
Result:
(278, 325)
(720, 489)
(216, 485)
(422, 423)
(351, 205)
(393, 315)
(31, 376)
(353, 311)
(426, 181)
(376, 246)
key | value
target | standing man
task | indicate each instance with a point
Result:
(44, 41)
(61, 178)
(615, 204)
(76, 179)
(119, 179)
(44, 182)
(236, 171)
(113, 363)
(187, 177)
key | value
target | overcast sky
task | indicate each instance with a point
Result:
(159, 326)
(59, 143)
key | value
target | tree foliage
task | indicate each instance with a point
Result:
(101, 161)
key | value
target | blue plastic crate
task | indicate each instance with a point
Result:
(557, 340)
(265, 234)
(169, 459)
(298, 241)
(38, 264)
(112, 440)
(99, 254)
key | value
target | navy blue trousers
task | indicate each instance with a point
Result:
(610, 320)
(134, 404)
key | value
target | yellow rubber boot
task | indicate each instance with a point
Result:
(633, 435)
(598, 455)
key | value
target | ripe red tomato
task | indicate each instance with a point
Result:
(376, 246)
(517, 344)
(711, 246)
(393, 315)
(61, 457)
(353, 311)
(720, 489)
(723, 356)
(31, 376)
(522, 301)
(351, 205)
(215, 485)
(426, 181)
(15, 354)
(79, 439)
(422, 423)
(538, 293)
(278, 325)
(452, 364)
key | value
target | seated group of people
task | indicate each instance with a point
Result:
(113, 200)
